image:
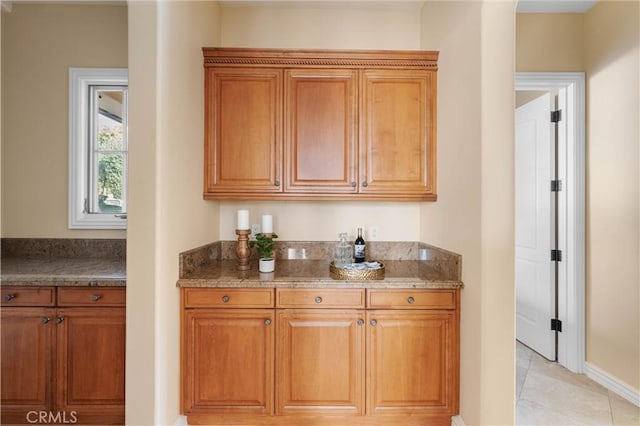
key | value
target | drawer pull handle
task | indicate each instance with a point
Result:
(59, 320)
(411, 300)
(318, 299)
(96, 297)
(9, 297)
(45, 320)
(360, 321)
(267, 322)
(225, 299)
(373, 322)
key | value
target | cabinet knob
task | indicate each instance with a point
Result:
(318, 299)
(9, 297)
(59, 320)
(96, 297)
(353, 184)
(225, 299)
(410, 300)
(373, 322)
(277, 183)
(365, 184)
(45, 320)
(267, 322)
(360, 321)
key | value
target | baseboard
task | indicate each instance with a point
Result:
(181, 421)
(613, 384)
(457, 421)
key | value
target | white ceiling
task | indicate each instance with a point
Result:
(523, 6)
(554, 6)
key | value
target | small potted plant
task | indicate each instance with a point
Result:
(264, 245)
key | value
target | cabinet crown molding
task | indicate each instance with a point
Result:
(405, 59)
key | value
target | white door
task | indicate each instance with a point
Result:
(534, 272)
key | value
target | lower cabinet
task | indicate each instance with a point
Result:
(411, 364)
(320, 356)
(63, 364)
(91, 363)
(26, 361)
(227, 361)
(320, 362)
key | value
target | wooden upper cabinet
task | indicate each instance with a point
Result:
(243, 125)
(320, 124)
(397, 145)
(321, 131)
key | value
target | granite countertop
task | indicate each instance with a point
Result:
(314, 274)
(63, 272)
(63, 262)
(306, 265)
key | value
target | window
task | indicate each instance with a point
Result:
(98, 148)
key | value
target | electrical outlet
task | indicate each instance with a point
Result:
(255, 229)
(373, 233)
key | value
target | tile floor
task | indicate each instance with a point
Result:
(549, 394)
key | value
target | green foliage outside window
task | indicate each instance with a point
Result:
(110, 168)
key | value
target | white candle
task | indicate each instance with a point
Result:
(243, 219)
(267, 224)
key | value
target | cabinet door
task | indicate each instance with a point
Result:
(227, 361)
(243, 125)
(320, 131)
(320, 362)
(26, 362)
(398, 130)
(412, 363)
(91, 363)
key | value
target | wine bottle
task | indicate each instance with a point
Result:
(359, 247)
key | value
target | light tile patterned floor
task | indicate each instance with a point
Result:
(549, 394)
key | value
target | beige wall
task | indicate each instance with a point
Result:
(474, 212)
(41, 42)
(167, 213)
(604, 44)
(549, 42)
(322, 27)
(612, 38)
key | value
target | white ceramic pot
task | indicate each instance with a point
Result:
(267, 264)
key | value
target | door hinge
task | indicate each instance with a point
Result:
(556, 116)
(556, 325)
(556, 255)
(556, 185)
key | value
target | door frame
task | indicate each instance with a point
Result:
(571, 210)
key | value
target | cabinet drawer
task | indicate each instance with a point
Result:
(319, 298)
(411, 299)
(91, 296)
(228, 297)
(28, 296)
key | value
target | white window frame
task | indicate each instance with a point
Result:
(80, 80)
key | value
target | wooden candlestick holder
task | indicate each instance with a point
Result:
(242, 249)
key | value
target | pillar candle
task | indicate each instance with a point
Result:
(243, 219)
(267, 224)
